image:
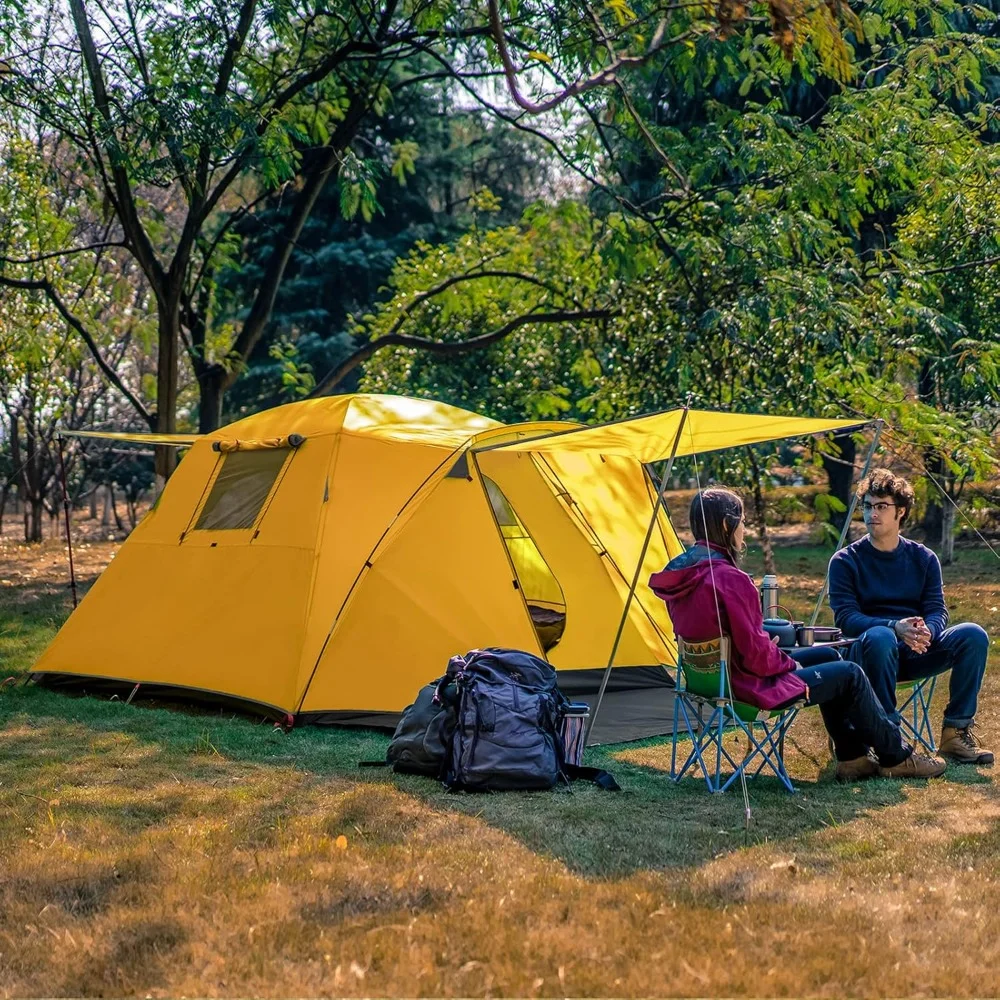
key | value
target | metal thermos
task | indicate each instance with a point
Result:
(769, 595)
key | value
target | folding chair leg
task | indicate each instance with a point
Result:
(914, 714)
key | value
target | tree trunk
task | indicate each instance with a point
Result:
(3, 504)
(947, 534)
(933, 521)
(106, 515)
(212, 383)
(37, 513)
(760, 513)
(168, 314)
(840, 474)
(92, 515)
(114, 508)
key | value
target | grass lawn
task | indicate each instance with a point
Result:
(154, 851)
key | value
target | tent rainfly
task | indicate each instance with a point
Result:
(322, 560)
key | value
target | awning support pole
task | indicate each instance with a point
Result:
(658, 500)
(879, 424)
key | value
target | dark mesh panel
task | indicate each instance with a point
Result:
(240, 489)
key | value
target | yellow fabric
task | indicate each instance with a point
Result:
(440, 587)
(651, 438)
(538, 584)
(374, 489)
(392, 418)
(593, 601)
(248, 444)
(175, 440)
(371, 562)
(612, 501)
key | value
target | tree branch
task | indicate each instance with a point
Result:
(447, 349)
(127, 211)
(468, 276)
(965, 265)
(233, 47)
(44, 285)
(599, 79)
(27, 261)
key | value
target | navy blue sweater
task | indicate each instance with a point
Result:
(869, 587)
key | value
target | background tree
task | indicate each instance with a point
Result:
(185, 115)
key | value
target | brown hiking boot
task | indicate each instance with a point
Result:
(917, 765)
(856, 770)
(963, 746)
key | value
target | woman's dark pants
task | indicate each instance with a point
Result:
(851, 713)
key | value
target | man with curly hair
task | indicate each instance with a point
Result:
(887, 590)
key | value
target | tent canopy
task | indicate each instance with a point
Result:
(324, 559)
(651, 438)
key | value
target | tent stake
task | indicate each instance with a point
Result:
(657, 502)
(879, 424)
(66, 513)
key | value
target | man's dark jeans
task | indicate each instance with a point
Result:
(961, 649)
(851, 713)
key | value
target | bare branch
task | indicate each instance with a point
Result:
(125, 198)
(964, 266)
(601, 78)
(25, 261)
(447, 349)
(44, 285)
(469, 276)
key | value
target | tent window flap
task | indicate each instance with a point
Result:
(240, 489)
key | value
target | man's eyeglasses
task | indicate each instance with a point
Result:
(881, 507)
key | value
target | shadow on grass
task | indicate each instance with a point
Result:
(50, 740)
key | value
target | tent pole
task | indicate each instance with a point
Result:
(657, 501)
(879, 424)
(66, 516)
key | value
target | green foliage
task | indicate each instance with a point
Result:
(550, 262)
(297, 378)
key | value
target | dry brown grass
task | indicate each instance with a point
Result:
(146, 852)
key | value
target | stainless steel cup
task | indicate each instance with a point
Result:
(805, 635)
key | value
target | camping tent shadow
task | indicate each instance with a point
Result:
(651, 824)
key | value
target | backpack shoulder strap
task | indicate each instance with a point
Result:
(603, 779)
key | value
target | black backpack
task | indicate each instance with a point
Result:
(422, 739)
(491, 723)
(507, 729)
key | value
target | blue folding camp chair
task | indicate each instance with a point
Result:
(914, 713)
(704, 711)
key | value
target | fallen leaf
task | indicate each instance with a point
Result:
(341, 843)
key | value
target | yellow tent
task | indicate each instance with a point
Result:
(324, 559)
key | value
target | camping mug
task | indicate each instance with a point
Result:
(805, 635)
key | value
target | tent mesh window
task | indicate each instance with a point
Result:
(542, 593)
(240, 489)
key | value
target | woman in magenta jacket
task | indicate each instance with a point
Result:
(707, 593)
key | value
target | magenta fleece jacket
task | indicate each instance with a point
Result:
(760, 674)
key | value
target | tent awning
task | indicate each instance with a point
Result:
(174, 440)
(651, 438)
